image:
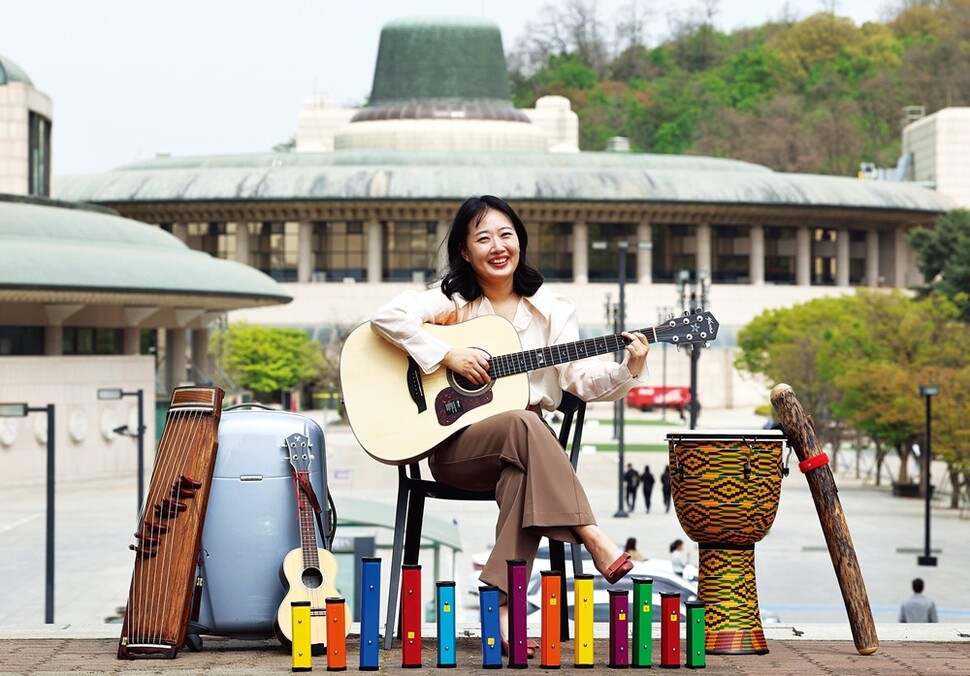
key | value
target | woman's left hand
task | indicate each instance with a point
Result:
(637, 350)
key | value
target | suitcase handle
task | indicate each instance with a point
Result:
(249, 404)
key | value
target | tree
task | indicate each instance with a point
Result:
(267, 360)
(943, 256)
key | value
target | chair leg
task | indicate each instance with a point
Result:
(397, 554)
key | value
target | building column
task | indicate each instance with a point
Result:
(242, 243)
(374, 241)
(175, 343)
(57, 314)
(200, 354)
(644, 253)
(304, 259)
(580, 253)
(872, 258)
(901, 262)
(131, 340)
(441, 238)
(803, 256)
(842, 257)
(756, 255)
(703, 261)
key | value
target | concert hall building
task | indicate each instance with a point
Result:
(86, 297)
(359, 210)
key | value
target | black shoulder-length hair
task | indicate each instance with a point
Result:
(459, 277)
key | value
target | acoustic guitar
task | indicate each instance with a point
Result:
(399, 414)
(309, 573)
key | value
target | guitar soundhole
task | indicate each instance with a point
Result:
(465, 386)
(312, 578)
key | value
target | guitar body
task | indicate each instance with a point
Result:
(398, 413)
(307, 583)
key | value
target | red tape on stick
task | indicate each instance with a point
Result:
(813, 462)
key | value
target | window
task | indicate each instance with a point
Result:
(341, 250)
(409, 250)
(90, 340)
(21, 340)
(212, 238)
(730, 247)
(550, 249)
(39, 142)
(604, 264)
(671, 250)
(276, 249)
(780, 247)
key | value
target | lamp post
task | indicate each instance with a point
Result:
(927, 559)
(693, 292)
(21, 411)
(114, 393)
(664, 313)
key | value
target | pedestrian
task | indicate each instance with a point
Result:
(631, 549)
(665, 484)
(679, 558)
(646, 480)
(632, 480)
(918, 608)
(515, 453)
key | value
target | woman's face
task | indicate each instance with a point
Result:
(492, 248)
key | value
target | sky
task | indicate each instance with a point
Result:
(131, 79)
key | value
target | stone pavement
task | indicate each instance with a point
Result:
(916, 649)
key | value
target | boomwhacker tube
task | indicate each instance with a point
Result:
(336, 634)
(370, 611)
(300, 644)
(619, 629)
(642, 653)
(670, 630)
(491, 631)
(518, 583)
(583, 600)
(446, 624)
(411, 616)
(695, 636)
(551, 623)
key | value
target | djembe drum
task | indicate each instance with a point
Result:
(725, 487)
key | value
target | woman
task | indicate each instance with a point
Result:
(647, 480)
(515, 452)
(631, 548)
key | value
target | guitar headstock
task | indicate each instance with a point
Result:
(298, 452)
(689, 328)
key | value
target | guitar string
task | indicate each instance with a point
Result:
(140, 615)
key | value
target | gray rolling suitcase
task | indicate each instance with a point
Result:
(252, 521)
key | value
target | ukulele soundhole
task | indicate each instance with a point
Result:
(312, 578)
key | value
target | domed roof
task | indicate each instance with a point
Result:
(442, 67)
(11, 72)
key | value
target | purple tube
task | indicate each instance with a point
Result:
(518, 583)
(619, 629)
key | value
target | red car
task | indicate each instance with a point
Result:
(649, 397)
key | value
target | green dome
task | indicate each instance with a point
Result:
(11, 72)
(440, 59)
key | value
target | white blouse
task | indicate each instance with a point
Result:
(546, 318)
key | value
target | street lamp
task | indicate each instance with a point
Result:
(115, 393)
(693, 292)
(21, 411)
(927, 559)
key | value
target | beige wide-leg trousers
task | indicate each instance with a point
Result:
(537, 491)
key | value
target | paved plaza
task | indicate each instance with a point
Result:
(795, 577)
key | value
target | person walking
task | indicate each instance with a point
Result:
(665, 484)
(647, 481)
(918, 608)
(632, 480)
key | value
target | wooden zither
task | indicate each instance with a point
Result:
(170, 527)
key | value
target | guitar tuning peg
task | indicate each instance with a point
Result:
(687, 313)
(670, 316)
(677, 345)
(707, 343)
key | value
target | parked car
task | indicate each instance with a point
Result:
(649, 397)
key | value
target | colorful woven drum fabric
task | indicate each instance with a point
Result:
(725, 489)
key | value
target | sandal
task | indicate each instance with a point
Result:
(530, 648)
(618, 568)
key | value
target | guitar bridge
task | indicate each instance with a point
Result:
(415, 386)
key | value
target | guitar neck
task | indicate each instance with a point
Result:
(308, 531)
(543, 357)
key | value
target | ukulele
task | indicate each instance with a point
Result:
(309, 573)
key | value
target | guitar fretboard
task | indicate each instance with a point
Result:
(308, 531)
(540, 358)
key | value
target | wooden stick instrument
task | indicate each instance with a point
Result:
(170, 527)
(814, 464)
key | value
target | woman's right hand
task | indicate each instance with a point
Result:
(469, 362)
